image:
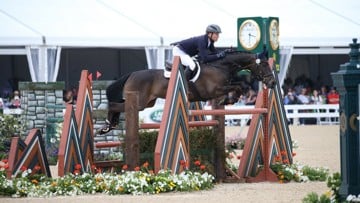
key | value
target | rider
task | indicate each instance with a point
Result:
(202, 45)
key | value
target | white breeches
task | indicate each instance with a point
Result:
(186, 60)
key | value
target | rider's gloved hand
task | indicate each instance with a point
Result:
(221, 54)
(228, 50)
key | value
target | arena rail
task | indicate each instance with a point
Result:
(323, 113)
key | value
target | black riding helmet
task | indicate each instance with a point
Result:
(213, 29)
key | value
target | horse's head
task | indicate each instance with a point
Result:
(257, 63)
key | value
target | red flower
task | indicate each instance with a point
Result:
(37, 168)
(137, 168)
(278, 158)
(23, 168)
(6, 166)
(283, 152)
(294, 154)
(238, 157)
(77, 166)
(146, 164)
(286, 161)
(125, 167)
(76, 172)
(202, 167)
(197, 163)
(182, 162)
(5, 161)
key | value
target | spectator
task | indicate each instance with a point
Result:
(74, 93)
(1, 103)
(291, 98)
(68, 97)
(241, 100)
(323, 93)
(231, 98)
(315, 98)
(251, 97)
(303, 96)
(333, 97)
(15, 100)
(304, 99)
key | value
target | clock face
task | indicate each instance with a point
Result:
(274, 34)
(249, 34)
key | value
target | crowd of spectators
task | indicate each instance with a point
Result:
(302, 91)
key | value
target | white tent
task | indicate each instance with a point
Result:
(318, 26)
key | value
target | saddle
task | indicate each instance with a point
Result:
(194, 76)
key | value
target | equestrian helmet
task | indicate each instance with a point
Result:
(213, 28)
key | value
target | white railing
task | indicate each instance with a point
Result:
(323, 113)
(9, 111)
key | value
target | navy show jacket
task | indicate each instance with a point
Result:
(198, 46)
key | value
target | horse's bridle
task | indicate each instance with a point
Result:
(257, 63)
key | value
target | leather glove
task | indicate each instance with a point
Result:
(221, 54)
(228, 50)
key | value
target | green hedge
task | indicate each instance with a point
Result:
(202, 147)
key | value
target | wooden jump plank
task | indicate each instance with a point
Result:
(107, 144)
(191, 124)
(228, 111)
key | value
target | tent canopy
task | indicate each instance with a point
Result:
(136, 23)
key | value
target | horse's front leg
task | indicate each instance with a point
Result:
(114, 110)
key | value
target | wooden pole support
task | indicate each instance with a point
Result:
(132, 146)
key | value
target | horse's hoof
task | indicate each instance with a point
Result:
(105, 130)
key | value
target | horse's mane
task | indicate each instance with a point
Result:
(229, 60)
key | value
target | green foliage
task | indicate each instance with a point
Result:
(314, 198)
(127, 182)
(202, 145)
(315, 174)
(285, 172)
(52, 141)
(333, 182)
(298, 173)
(9, 127)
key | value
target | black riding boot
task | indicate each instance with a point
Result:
(188, 73)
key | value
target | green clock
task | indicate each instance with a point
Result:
(255, 32)
(274, 34)
(249, 34)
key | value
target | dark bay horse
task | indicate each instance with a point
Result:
(213, 82)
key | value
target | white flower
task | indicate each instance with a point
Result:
(52, 140)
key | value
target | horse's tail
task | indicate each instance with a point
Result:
(114, 92)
